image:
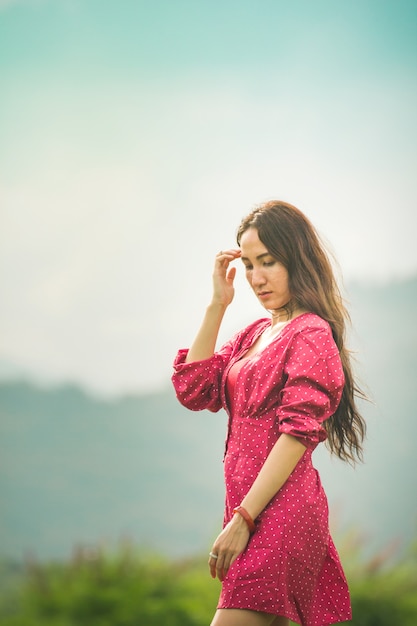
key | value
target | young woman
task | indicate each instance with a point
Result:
(286, 384)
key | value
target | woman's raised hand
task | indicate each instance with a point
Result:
(204, 344)
(223, 276)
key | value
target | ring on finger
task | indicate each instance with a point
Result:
(213, 556)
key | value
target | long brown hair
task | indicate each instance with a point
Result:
(291, 239)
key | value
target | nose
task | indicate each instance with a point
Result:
(257, 278)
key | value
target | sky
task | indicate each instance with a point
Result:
(135, 135)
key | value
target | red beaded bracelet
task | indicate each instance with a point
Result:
(243, 512)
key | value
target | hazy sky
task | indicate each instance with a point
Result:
(134, 135)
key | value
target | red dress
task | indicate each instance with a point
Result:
(290, 566)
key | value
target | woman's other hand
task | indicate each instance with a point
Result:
(229, 544)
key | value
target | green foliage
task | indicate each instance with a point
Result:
(384, 587)
(129, 587)
(100, 589)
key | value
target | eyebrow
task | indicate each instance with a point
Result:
(258, 258)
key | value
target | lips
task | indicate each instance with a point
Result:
(264, 294)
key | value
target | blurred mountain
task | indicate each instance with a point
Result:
(75, 469)
(78, 469)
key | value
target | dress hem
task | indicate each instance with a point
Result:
(287, 614)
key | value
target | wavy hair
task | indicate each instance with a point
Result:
(291, 239)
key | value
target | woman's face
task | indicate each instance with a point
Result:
(267, 276)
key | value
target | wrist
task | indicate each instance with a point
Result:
(217, 306)
(242, 512)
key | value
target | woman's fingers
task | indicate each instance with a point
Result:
(221, 558)
(222, 565)
(231, 542)
(223, 276)
(217, 563)
(212, 563)
(218, 566)
(231, 275)
(225, 256)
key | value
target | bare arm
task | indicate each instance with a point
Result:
(281, 461)
(204, 344)
(233, 539)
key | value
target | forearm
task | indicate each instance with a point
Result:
(281, 461)
(204, 344)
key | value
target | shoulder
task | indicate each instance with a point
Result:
(310, 322)
(312, 330)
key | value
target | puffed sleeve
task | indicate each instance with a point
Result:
(313, 387)
(197, 384)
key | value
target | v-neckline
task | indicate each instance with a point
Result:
(250, 352)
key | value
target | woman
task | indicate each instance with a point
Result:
(286, 383)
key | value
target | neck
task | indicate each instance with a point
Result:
(283, 314)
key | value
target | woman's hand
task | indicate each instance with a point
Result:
(223, 277)
(229, 544)
(204, 344)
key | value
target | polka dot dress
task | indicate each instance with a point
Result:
(290, 566)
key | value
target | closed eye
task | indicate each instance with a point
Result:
(248, 266)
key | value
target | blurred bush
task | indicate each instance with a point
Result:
(384, 587)
(100, 588)
(129, 587)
